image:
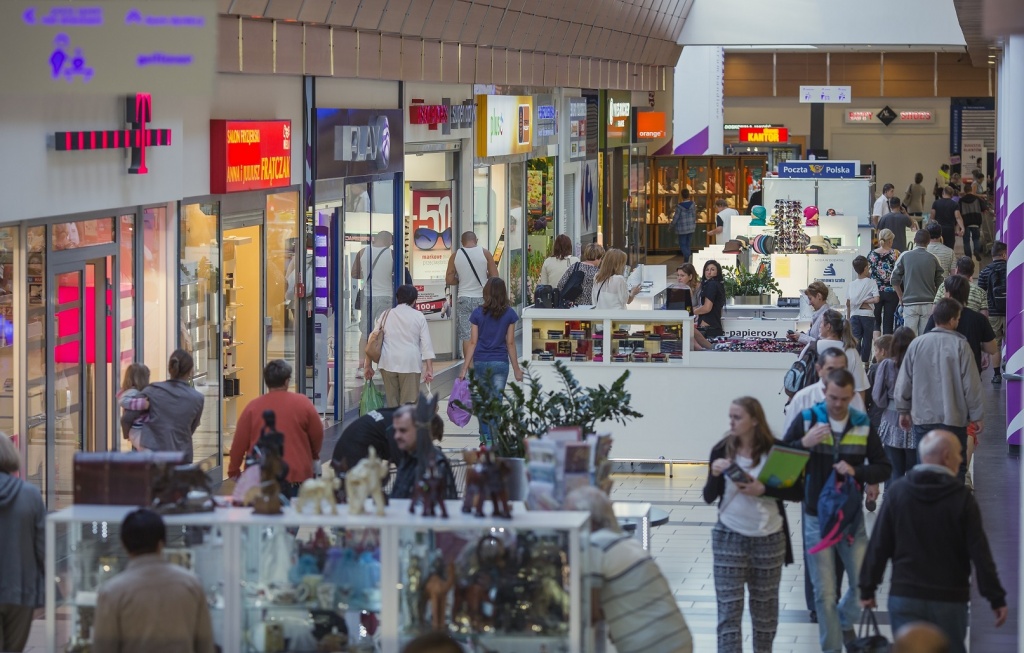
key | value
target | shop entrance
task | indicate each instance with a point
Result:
(79, 331)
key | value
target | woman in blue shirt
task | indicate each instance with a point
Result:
(492, 345)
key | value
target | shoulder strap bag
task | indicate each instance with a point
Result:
(375, 341)
(369, 279)
(471, 266)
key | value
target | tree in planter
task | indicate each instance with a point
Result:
(528, 410)
(739, 282)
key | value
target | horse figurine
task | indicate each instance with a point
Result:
(363, 481)
(430, 491)
(318, 490)
(485, 479)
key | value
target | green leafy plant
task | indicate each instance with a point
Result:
(528, 410)
(740, 282)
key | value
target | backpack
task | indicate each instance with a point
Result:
(839, 505)
(573, 287)
(802, 373)
(997, 288)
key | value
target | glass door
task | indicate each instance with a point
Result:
(636, 206)
(79, 330)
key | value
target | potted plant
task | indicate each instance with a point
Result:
(745, 287)
(528, 410)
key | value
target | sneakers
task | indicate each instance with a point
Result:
(997, 378)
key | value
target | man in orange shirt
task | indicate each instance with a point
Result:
(297, 419)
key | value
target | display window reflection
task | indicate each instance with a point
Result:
(541, 212)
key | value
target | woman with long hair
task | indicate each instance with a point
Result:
(555, 265)
(610, 287)
(492, 344)
(882, 260)
(708, 305)
(751, 541)
(899, 444)
(835, 331)
(592, 255)
(686, 277)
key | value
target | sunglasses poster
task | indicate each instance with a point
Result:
(431, 246)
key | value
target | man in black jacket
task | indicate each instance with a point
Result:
(842, 439)
(418, 449)
(939, 535)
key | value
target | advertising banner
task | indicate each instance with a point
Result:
(764, 135)
(504, 125)
(819, 169)
(576, 116)
(358, 142)
(321, 270)
(834, 270)
(110, 47)
(433, 301)
(650, 125)
(250, 155)
(617, 114)
(431, 214)
(545, 120)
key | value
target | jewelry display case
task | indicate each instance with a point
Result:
(297, 582)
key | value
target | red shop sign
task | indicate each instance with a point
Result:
(428, 114)
(764, 135)
(250, 155)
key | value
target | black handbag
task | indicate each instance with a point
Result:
(869, 637)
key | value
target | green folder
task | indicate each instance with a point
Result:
(783, 467)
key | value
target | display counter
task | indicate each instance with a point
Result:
(685, 399)
(272, 579)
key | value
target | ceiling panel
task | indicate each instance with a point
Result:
(343, 13)
(394, 16)
(315, 11)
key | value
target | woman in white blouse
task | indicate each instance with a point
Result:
(407, 350)
(610, 288)
(556, 264)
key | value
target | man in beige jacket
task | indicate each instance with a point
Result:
(152, 605)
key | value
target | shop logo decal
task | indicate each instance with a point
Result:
(617, 111)
(495, 124)
(587, 197)
(816, 169)
(138, 114)
(364, 142)
(830, 270)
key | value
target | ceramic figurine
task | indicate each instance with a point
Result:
(436, 589)
(269, 455)
(363, 481)
(182, 489)
(430, 491)
(485, 479)
(414, 597)
(318, 491)
(340, 468)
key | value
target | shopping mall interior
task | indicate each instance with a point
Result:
(201, 194)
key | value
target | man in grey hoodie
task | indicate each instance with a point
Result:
(915, 279)
(938, 387)
(684, 223)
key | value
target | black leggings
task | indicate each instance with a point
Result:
(885, 311)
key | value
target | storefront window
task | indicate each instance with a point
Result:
(126, 309)
(541, 218)
(516, 234)
(10, 278)
(155, 242)
(34, 467)
(199, 314)
(281, 277)
(72, 235)
(367, 264)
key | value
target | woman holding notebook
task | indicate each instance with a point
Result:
(750, 542)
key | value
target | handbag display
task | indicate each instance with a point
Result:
(375, 341)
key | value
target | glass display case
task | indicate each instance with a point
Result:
(608, 336)
(296, 582)
(708, 179)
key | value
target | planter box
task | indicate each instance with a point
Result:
(747, 300)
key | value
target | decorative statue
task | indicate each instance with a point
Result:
(318, 491)
(436, 590)
(430, 491)
(182, 489)
(485, 479)
(365, 481)
(414, 598)
(268, 453)
(340, 468)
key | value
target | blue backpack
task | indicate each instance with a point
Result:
(839, 506)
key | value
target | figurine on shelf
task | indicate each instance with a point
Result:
(269, 455)
(414, 597)
(365, 481)
(436, 589)
(182, 489)
(485, 479)
(319, 491)
(340, 468)
(430, 491)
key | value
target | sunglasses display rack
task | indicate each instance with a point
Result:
(787, 218)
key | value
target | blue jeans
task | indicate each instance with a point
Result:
(959, 431)
(972, 233)
(684, 246)
(903, 460)
(834, 619)
(951, 618)
(863, 330)
(492, 375)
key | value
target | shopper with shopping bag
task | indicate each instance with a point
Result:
(406, 352)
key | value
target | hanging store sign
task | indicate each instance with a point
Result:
(358, 142)
(888, 116)
(764, 135)
(545, 120)
(138, 114)
(577, 118)
(250, 155)
(321, 270)
(446, 116)
(109, 47)
(825, 94)
(650, 125)
(819, 169)
(505, 126)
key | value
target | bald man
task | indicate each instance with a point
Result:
(930, 528)
(920, 637)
